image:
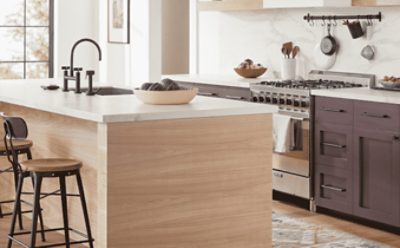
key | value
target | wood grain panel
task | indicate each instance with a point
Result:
(190, 183)
(376, 2)
(230, 5)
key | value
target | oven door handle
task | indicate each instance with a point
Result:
(235, 97)
(207, 94)
(333, 110)
(333, 145)
(333, 188)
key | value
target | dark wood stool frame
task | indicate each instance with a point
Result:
(11, 133)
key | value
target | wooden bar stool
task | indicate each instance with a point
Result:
(39, 169)
(22, 147)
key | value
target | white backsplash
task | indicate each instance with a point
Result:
(227, 38)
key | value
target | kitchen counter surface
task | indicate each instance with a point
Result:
(122, 108)
(223, 80)
(363, 94)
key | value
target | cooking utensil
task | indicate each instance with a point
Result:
(368, 52)
(284, 52)
(288, 48)
(295, 51)
(328, 43)
(355, 29)
(323, 61)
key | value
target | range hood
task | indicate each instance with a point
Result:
(306, 3)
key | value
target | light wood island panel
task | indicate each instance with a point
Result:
(202, 182)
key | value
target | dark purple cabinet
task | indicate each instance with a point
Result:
(357, 158)
(376, 175)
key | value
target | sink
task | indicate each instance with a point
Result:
(111, 91)
(108, 91)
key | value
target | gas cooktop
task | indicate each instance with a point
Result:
(309, 84)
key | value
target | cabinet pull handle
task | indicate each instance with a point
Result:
(277, 174)
(207, 94)
(333, 110)
(330, 187)
(333, 145)
(396, 138)
(376, 115)
(235, 97)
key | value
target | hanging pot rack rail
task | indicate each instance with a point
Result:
(311, 18)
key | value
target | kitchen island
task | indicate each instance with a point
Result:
(196, 175)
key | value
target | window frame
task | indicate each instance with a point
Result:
(50, 26)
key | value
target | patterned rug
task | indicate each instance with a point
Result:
(291, 233)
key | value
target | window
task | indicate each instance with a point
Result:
(26, 39)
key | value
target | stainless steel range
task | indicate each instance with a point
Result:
(292, 168)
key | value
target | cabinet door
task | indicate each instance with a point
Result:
(376, 176)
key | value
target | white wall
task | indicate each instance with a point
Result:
(75, 19)
(139, 61)
(227, 38)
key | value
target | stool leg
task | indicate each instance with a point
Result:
(84, 208)
(40, 216)
(36, 207)
(21, 226)
(15, 212)
(63, 190)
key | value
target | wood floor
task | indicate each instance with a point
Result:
(359, 230)
(338, 224)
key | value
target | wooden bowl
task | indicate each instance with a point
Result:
(172, 97)
(250, 73)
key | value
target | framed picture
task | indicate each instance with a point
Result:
(119, 21)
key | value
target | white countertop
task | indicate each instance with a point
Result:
(123, 108)
(363, 94)
(224, 80)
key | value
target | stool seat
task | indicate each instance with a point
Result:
(18, 144)
(51, 165)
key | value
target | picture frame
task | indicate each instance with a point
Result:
(119, 21)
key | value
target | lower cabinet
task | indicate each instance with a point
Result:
(376, 176)
(357, 165)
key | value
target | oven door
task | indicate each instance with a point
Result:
(291, 170)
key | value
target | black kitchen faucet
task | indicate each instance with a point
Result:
(71, 69)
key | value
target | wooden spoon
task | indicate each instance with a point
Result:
(295, 51)
(289, 48)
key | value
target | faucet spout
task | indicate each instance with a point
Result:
(73, 51)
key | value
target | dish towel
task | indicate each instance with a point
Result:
(282, 134)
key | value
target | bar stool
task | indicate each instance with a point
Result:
(39, 169)
(22, 147)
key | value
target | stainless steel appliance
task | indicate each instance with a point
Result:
(292, 170)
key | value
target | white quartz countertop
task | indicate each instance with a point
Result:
(363, 94)
(122, 108)
(223, 80)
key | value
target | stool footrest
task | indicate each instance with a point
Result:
(86, 240)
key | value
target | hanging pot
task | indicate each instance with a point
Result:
(328, 43)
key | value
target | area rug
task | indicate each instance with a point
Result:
(291, 233)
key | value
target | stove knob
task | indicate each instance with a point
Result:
(268, 99)
(296, 103)
(289, 101)
(274, 101)
(304, 104)
(254, 99)
(281, 101)
(261, 99)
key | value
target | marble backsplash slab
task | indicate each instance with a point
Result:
(226, 38)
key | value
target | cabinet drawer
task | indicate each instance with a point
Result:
(375, 116)
(333, 189)
(292, 184)
(334, 110)
(333, 145)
